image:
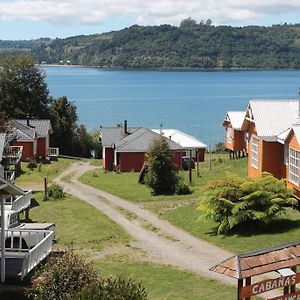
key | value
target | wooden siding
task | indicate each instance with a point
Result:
(131, 161)
(41, 147)
(108, 158)
(237, 140)
(273, 159)
(27, 149)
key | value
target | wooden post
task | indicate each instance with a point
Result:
(190, 168)
(240, 285)
(293, 287)
(2, 238)
(46, 188)
(248, 282)
(197, 157)
(27, 213)
(210, 158)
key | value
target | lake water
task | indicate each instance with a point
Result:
(194, 102)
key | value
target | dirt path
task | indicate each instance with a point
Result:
(167, 244)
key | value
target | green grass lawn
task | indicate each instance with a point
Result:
(167, 283)
(77, 223)
(126, 185)
(36, 176)
(279, 232)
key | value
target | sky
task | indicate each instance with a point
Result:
(31, 19)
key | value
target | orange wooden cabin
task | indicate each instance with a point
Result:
(235, 138)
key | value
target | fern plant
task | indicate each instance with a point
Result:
(233, 202)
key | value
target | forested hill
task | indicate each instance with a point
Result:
(190, 45)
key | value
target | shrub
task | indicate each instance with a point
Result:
(69, 277)
(32, 164)
(56, 191)
(112, 289)
(61, 277)
(182, 188)
(234, 202)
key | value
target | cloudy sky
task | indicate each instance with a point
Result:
(28, 19)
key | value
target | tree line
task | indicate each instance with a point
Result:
(24, 94)
(196, 45)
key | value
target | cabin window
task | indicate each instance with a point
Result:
(294, 157)
(254, 152)
(228, 135)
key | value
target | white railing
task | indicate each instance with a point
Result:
(22, 202)
(9, 175)
(53, 151)
(37, 253)
(13, 154)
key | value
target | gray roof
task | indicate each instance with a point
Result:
(41, 126)
(2, 144)
(111, 136)
(140, 140)
(272, 117)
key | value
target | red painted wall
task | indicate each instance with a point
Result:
(131, 161)
(108, 158)
(41, 147)
(200, 155)
(237, 140)
(27, 149)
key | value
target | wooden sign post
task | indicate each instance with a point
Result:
(282, 259)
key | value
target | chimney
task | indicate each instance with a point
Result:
(27, 120)
(125, 127)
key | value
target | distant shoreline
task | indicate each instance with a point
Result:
(170, 69)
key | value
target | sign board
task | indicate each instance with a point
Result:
(292, 296)
(270, 284)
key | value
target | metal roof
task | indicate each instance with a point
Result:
(140, 140)
(2, 144)
(41, 126)
(110, 136)
(272, 117)
(184, 140)
(236, 118)
(256, 263)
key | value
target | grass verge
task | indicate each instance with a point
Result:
(77, 223)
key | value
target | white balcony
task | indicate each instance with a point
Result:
(12, 155)
(53, 152)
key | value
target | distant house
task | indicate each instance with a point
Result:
(273, 130)
(34, 137)
(186, 141)
(235, 138)
(128, 149)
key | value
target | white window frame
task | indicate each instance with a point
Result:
(228, 135)
(294, 165)
(254, 151)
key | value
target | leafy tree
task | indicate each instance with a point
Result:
(23, 90)
(3, 122)
(233, 202)
(188, 22)
(63, 116)
(162, 175)
(83, 142)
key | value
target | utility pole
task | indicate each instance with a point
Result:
(210, 158)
